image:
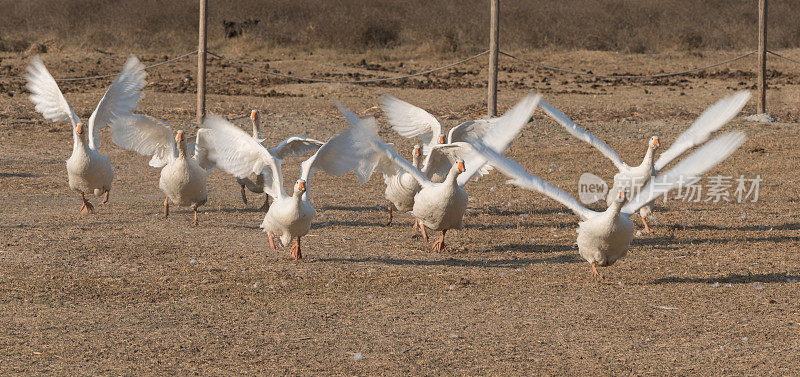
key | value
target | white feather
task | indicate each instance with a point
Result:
(500, 136)
(46, 95)
(697, 163)
(145, 135)
(520, 177)
(345, 152)
(410, 121)
(295, 146)
(121, 99)
(584, 135)
(709, 121)
(229, 148)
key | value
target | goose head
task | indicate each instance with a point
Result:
(619, 200)
(441, 139)
(415, 155)
(652, 145)
(299, 189)
(455, 170)
(180, 140)
(255, 117)
(80, 130)
(655, 142)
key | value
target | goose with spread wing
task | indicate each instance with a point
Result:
(411, 121)
(293, 146)
(289, 217)
(440, 206)
(89, 171)
(254, 182)
(183, 166)
(604, 237)
(633, 178)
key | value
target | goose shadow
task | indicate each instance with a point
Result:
(537, 249)
(355, 223)
(225, 210)
(528, 224)
(751, 228)
(775, 277)
(497, 211)
(669, 241)
(455, 262)
(18, 175)
(354, 208)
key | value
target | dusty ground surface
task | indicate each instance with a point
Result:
(712, 290)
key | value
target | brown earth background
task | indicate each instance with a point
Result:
(711, 291)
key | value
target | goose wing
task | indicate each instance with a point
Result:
(697, 163)
(295, 146)
(145, 135)
(372, 152)
(584, 135)
(229, 148)
(410, 121)
(500, 136)
(709, 121)
(442, 158)
(520, 177)
(46, 95)
(121, 99)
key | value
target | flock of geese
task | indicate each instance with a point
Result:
(431, 186)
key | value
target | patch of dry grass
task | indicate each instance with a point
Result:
(439, 26)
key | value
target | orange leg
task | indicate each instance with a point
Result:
(195, 217)
(424, 233)
(272, 242)
(389, 206)
(87, 207)
(646, 228)
(296, 253)
(105, 198)
(439, 246)
(597, 275)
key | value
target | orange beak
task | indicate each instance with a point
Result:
(621, 195)
(301, 186)
(179, 136)
(461, 166)
(656, 142)
(417, 151)
(253, 114)
(441, 139)
(79, 129)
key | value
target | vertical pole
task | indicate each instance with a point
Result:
(201, 64)
(494, 46)
(762, 56)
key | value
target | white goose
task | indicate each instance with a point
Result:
(604, 237)
(293, 146)
(633, 178)
(401, 187)
(289, 216)
(184, 168)
(440, 206)
(88, 170)
(254, 182)
(411, 121)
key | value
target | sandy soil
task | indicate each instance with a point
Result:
(712, 290)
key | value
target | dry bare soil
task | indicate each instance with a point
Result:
(712, 290)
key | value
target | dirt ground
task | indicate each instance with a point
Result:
(712, 290)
